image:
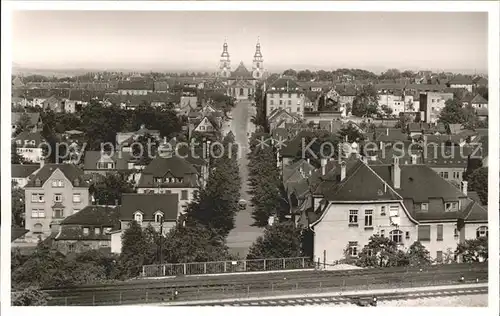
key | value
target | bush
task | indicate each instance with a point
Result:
(30, 296)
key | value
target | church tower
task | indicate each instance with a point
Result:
(258, 63)
(224, 63)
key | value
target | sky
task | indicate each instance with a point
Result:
(191, 40)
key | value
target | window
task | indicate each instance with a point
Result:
(71, 247)
(382, 210)
(396, 236)
(138, 217)
(482, 232)
(289, 102)
(394, 211)
(37, 228)
(298, 102)
(298, 110)
(158, 216)
(445, 175)
(107, 230)
(368, 218)
(58, 213)
(271, 103)
(455, 233)
(76, 210)
(439, 232)
(450, 207)
(58, 198)
(439, 256)
(76, 198)
(37, 197)
(281, 102)
(290, 95)
(407, 235)
(85, 231)
(353, 217)
(424, 232)
(382, 233)
(97, 231)
(353, 248)
(38, 213)
(281, 95)
(424, 207)
(57, 183)
(184, 194)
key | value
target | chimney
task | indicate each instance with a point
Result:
(396, 173)
(323, 166)
(342, 170)
(464, 186)
(165, 139)
(116, 202)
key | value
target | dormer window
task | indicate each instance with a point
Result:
(424, 207)
(450, 206)
(38, 183)
(76, 182)
(138, 217)
(158, 216)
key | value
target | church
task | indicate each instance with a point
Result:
(241, 83)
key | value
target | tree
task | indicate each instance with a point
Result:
(402, 123)
(418, 255)
(194, 243)
(381, 252)
(455, 113)
(23, 124)
(478, 181)
(110, 189)
(290, 72)
(15, 158)
(353, 134)
(281, 240)
(30, 296)
(17, 207)
(145, 149)
(473, 250)
(266, 187)
(366, 102)
(135, 250)
(215, 206)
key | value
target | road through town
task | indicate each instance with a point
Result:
(243, 235)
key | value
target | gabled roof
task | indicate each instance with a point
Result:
(474, 212)
(243, 83)
(292, 173)
(23, 171)
(17, 232)
(478, 99)
(135, 85)
(70, 171)
(95, 215)
(30, 136)
(362, 184)
(480, 81)
(148, 205)
(419, 183)
(279, 112)
(120, 159)
(284, 84)
(460, 79)
(241, 72)
(389, 135)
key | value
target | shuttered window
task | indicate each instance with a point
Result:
(424, 232)
(439, 232)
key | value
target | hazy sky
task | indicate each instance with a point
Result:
(193, 40)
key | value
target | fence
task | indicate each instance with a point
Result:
(217, 267)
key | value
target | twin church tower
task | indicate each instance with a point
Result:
(224, 70)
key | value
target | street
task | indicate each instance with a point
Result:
(243, 235)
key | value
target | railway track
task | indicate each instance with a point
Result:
(227, 286)
(349, 300)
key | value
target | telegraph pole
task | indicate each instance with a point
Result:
(161, 240)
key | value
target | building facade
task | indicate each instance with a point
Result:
(285, 93)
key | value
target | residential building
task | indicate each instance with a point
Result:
(97, 162)
(279, 117)
(55, 192)
(461, 81)
(54, 104)
(285, 93)
(171, 175)
(88, 229)
(161, 86)
(431, 104)
(124, 140)
(161, 211)
(478, 102)
(138, 87)
(21, 174)
(29, 146)
(405, 203)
